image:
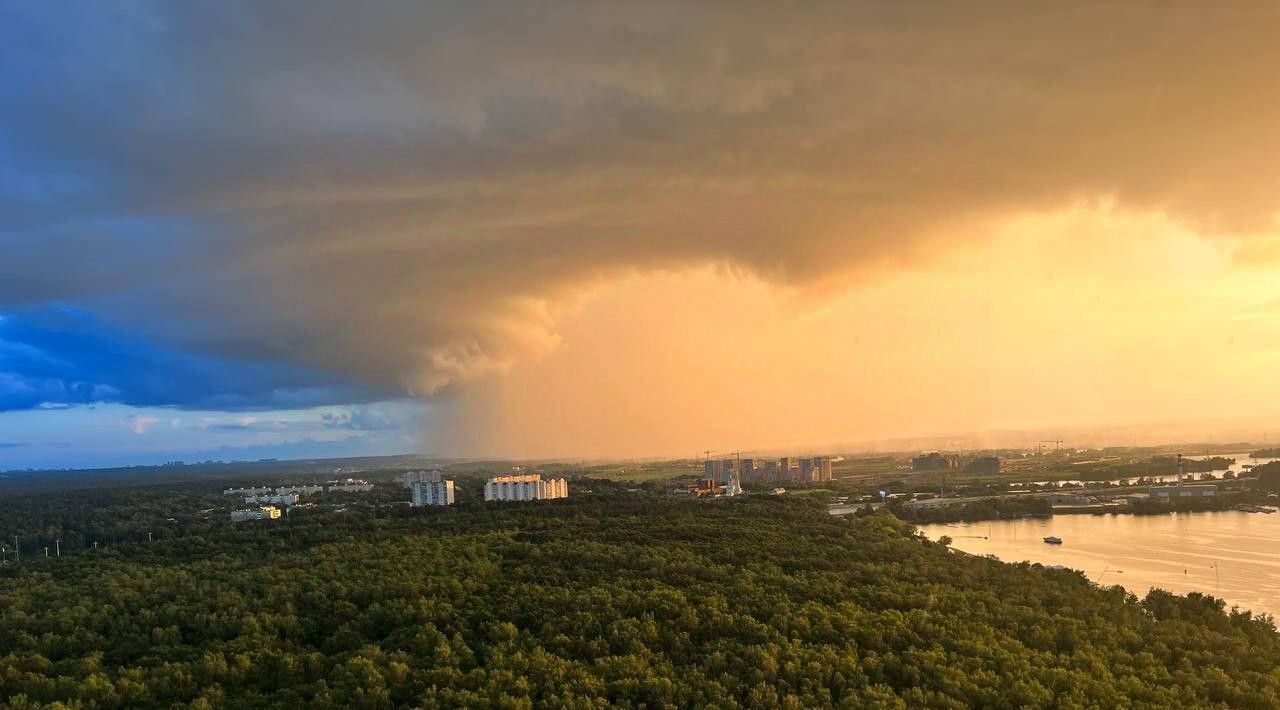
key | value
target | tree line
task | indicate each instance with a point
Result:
(617, 598)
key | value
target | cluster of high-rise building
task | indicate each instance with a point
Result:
(431, 488)
(784, 470)
(527, 486)
(938, 461)
(428, 488)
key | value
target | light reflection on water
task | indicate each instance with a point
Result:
(1229, 554)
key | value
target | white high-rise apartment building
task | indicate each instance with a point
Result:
(428, 488)
(525, 487)
(431, 493)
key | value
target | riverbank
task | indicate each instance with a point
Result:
(1232, 554)
(1115, 501)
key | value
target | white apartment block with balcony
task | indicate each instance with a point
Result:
(350, 485)
(300, 490)
(424, 493)
(256, 491)
(525, 487)
(282, 499)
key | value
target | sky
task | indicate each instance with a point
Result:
(249, 230)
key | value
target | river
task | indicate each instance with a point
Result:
(1230, 554)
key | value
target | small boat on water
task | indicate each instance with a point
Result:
(1051, 540)
(1247, 508)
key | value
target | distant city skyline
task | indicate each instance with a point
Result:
(1256, 432)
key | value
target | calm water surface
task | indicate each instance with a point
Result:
(1232, 555)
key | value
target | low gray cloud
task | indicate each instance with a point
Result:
(395, 192)
(362, 419)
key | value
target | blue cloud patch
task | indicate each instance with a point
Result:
(54, 357)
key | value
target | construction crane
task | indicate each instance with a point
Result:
(1057, 445)
(731, 474)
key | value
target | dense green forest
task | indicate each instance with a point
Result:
(989, 509)
(615, 597)
(1269, 476)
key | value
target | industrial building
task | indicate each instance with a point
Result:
(1191, 490)
(428, 488)
(1194, 490)
(266, 512)
(529, 486)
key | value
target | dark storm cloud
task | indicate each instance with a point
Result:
(394, 192)
(57, 357)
